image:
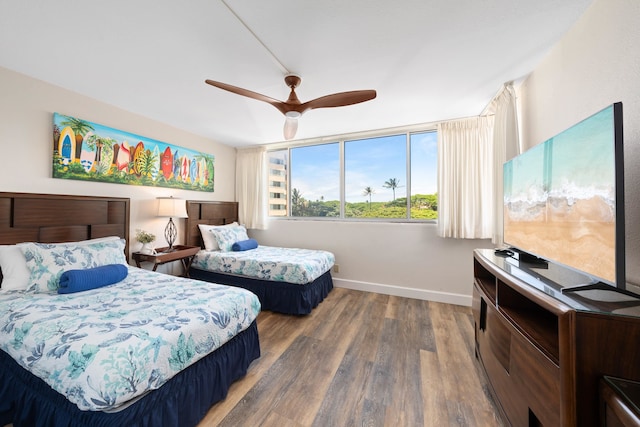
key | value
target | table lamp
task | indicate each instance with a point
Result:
(172, 208)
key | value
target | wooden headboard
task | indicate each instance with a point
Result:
(205, 212)
(52, 218)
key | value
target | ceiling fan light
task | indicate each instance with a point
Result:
(292, 115)
(290, 127)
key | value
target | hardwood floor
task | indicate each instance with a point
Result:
(362, 359)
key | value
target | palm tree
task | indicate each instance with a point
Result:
(80, 128)
(392, 183)
(297, 202)
(296, 195)
(368, 191)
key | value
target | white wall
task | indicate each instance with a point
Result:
(595, 64)
(26, 127)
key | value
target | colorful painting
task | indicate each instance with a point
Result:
(89, 151)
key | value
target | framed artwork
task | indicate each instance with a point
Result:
(88, 151)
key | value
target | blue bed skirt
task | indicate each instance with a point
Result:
(26, 400)
(281, 297)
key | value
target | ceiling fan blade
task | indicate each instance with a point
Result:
(338, 100)
(292, 108)
(290, 128)
(281, 106)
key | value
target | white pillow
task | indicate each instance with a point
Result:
(91, 241)
(15, 274)
(47, 262)
(226, 237)
(209, 240)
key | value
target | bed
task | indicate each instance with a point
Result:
(68, 358)
(286, 280)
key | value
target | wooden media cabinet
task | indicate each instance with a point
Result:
(544, 348)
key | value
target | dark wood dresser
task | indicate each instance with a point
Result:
(619, 402)
(545, 342)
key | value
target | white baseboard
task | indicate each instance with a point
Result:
(399, 291)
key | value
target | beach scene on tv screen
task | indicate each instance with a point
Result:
(559, 198)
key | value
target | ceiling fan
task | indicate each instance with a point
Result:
(292, 108)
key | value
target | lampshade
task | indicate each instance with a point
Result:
(172, 207)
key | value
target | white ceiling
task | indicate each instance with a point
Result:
(429, 60)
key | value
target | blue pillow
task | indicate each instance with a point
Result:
(91, 278)
(244, 245)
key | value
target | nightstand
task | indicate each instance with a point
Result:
(180, 253)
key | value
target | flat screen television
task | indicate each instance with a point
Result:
(564, 199)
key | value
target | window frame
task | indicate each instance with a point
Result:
(341, 139)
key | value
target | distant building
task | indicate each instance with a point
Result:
(277, 175)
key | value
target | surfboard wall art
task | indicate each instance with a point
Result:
(88, 151)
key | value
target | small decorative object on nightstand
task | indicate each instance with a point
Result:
(146, 239)
(180, 253)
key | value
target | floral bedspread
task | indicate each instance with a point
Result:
(293, 265)
(103, 347)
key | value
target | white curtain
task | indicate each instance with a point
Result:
(506, 145)
(465, 178)
(251, 189)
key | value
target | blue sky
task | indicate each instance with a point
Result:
(315, 170)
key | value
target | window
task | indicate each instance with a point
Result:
(315, 180)
(375, 174)
(424, 175)
(367, 178)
